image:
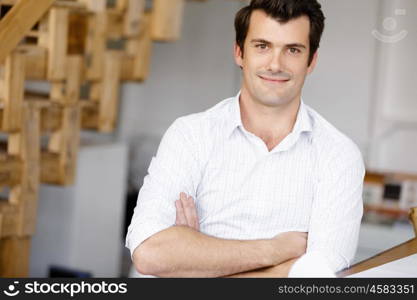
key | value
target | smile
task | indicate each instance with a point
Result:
(273, 80)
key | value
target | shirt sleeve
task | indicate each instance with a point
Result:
(173, 170)
(337, 207)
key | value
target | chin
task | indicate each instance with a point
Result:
(274, 101)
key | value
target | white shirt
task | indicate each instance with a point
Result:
(310, 182)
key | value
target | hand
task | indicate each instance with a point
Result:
(293, 243)
(186, 212)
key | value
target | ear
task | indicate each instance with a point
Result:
(313, 62)
(237, 54)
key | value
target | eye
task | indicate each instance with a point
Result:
(261, 46)
(294, 50)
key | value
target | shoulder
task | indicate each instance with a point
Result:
(205, 123)
(199, 132)
(329, 142)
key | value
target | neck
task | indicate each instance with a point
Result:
(270, 123)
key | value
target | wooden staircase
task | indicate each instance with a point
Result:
(83, 49)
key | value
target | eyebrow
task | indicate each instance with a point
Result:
(260, 41)
(296, 45)
(292, 45)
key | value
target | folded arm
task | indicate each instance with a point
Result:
(278, 271)
(182, 251)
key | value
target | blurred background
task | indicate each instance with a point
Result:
(364, 84)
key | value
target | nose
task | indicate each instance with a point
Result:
(275, 64)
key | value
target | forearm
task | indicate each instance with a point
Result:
(180, 251)
(277, 271)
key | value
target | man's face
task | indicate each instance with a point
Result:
(275, 60)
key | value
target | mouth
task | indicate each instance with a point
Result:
(273, 80)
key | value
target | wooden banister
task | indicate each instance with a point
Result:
(413, 218)
(18, 21)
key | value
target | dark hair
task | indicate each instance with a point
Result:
(283, 11)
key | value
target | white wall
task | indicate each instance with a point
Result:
(394, 120)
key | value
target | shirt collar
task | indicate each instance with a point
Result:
(302, 123)
(235, 117)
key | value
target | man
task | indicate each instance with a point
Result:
(247, 187)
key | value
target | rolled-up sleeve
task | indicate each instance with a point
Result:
(337, 207)
(173, 170)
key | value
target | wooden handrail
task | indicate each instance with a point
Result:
(413, 218)
(18, 21)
